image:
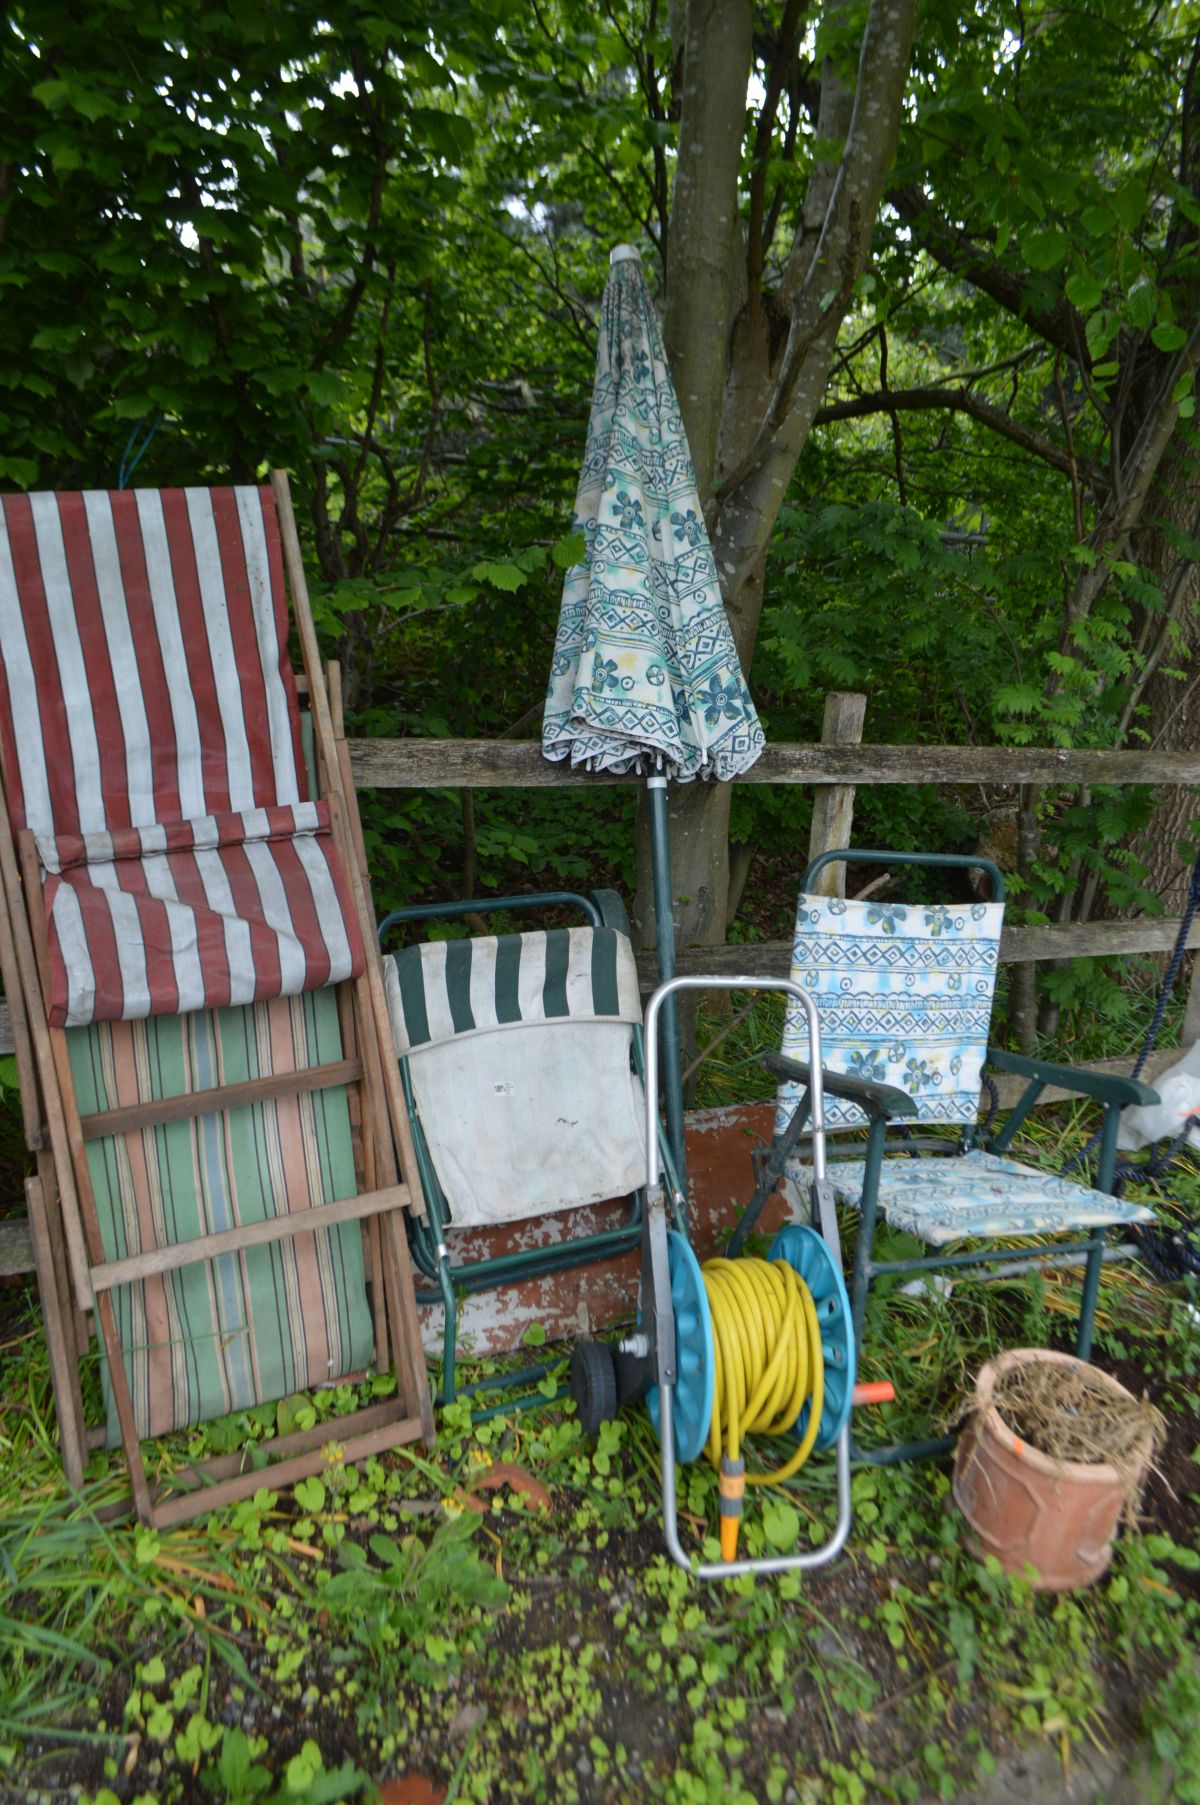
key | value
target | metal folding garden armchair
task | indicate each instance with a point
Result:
(904, 994)
(196, 994)
(521, 1060)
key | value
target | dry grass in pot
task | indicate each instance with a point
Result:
(1072, 1413)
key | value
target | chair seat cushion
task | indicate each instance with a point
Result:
(518, 1050)
(222, 911)
(979, 1196)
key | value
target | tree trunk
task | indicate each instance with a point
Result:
(1172, 702)
(698, 824)
(1163, 848)
(750, 367)
(1162, 540)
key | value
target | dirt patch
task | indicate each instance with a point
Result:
(1171, 1501)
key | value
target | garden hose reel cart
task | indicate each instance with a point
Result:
(738, 1346)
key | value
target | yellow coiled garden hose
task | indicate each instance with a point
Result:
(769, 1364)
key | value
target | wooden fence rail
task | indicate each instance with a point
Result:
(519, 765)
(1072, 940)
(501, 764)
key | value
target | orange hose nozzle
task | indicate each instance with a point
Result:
(873, 1391)
(731, 1487)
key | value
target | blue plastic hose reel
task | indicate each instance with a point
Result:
(695, 1356)
(807, 1254)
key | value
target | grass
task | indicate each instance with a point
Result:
(304, 1646)
(372, 1624)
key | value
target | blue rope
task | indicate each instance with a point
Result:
(136, 447)
(1172, 972)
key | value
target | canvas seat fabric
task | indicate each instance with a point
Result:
(151, 738)
(220, 1335)
(980, 1196)
(518, 1049)
(904, 996)
(219, 911)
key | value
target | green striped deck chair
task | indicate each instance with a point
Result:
(519, 1054)
(208, 1338)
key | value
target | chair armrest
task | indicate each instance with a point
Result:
(877, 1099)
(612, 910)
(1105, 1087)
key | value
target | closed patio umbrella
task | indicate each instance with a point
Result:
(645, 676)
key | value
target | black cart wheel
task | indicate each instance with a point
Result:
(593, 1384)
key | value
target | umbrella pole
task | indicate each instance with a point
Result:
(664, 933)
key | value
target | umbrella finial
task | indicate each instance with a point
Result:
(623, 253)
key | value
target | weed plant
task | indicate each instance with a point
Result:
(300, 1647)
(305, 1646)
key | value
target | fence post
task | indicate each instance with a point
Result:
(833, 805)
(1190, 1031)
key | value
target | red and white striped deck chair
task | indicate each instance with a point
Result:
(196, 995)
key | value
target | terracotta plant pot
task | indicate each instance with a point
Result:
(1026, 1508)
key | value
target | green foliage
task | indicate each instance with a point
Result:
(594, 1664)
(409, 1608)
(198, 196)
(371, 249)
(1173, 1723)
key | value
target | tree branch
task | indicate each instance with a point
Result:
(960, 255)
(781, 61)
(1072, 466)
(820, 275)
(354, 294)
(1110, 535)
(894, 417)
(704, 217)
(960, 401)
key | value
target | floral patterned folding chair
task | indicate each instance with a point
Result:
(904, 993)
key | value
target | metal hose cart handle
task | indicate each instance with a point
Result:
(661, 1303)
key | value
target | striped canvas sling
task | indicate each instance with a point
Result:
(150, 734)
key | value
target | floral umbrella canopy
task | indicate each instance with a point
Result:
(645, 675)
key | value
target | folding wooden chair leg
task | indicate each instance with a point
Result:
(60, 1337)
(79, 1333)
(374, 1255)
(382, 1090)
(409, 1355)
(106, 1322)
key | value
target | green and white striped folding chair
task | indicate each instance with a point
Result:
(520, 1055)
(201, 1009)
(904, 994)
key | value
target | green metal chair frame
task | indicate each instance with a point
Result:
(430, 1251)
(885, 1105)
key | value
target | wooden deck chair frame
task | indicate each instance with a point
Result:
(76, 1281)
